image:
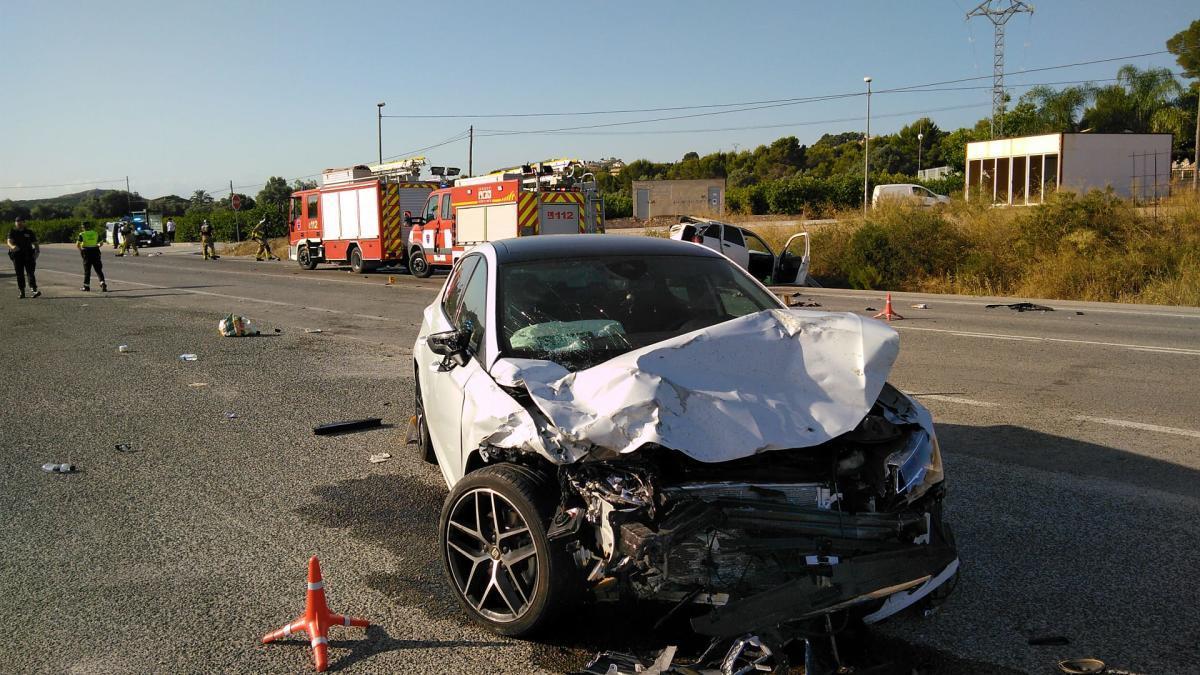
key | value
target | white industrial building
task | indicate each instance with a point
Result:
(1028, 169)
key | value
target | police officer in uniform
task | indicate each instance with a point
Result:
(264, 243)
(206, 240)
(88, 242)
(23, 250)
(128, 239)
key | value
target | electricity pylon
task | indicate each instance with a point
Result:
(999, 12)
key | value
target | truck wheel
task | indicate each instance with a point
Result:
(356, 262)
(419, 266)
(503, 570)
(304, 258)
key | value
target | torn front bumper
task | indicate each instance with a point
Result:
(848, 583)
(783, 556)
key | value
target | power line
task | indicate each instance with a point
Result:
(503, 132)
(782, 101)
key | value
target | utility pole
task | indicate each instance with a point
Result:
(127, 207)
(867, 150)
(237, 227)
(920, 144)
(379, 124)
(471, 151)
(1196, 150)
(999, 12)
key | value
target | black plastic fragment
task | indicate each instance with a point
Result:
(343, 427)
(1023, 307)
(1050, 641)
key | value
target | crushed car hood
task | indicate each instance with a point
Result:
(771, 380)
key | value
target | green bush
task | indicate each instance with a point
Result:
(617, 205)
(898, 247)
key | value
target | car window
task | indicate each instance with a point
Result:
(431, 208)
(472, 313)
(756, 244)
(312, 206)
(582, 311)
(455, 284)
(446, 206)
(733, 235)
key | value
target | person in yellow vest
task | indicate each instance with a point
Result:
(128, 239)
(264, 243)
(88, 241)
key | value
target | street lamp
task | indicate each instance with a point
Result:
(379, 119)
(867, 149)
(920, 137)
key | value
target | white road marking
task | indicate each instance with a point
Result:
(1138, 425)
(1035, 338)
(957, 399)
(236, 297)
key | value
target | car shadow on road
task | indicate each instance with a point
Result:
(1038, 450)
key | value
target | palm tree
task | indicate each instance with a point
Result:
(1133, 102)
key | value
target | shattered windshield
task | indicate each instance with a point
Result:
(583, 311)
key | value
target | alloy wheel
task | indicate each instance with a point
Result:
(492, 555)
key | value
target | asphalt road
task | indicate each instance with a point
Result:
(1071, 443)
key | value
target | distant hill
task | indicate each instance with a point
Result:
(71, 200)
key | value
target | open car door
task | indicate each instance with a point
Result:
(791, 267)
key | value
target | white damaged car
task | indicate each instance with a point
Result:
(638, 417)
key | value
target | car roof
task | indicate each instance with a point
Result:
(558, 246)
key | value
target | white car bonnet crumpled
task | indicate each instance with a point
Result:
(771, 380)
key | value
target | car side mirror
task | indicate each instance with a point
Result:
(452, 345)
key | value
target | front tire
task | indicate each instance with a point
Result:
(424, 442)
(304, 257)
(419, 266)
(501, 567)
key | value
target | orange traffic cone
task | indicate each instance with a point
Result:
(316, 619)
(888, 313)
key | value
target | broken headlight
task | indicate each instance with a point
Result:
(917, 466)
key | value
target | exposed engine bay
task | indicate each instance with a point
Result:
(770, 539)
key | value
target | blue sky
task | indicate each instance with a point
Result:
(184, 96)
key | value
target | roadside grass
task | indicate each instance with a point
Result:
(279, 247)
(1095, 246)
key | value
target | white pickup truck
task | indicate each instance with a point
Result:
(789, 268)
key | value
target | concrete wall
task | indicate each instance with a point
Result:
(679, 197)
(1125, 162)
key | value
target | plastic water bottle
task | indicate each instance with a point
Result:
(124, 349)
(187, 357)
(53, 467)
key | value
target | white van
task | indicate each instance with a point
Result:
(907, 191)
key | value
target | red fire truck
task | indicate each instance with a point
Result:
(357, 216)
(543, 198)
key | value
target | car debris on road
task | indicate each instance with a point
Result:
(344, 427)
(1022, 307)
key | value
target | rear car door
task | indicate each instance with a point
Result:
(733, 245)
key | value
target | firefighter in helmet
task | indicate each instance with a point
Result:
(206, 240)
(128, 238)
(264, 243)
